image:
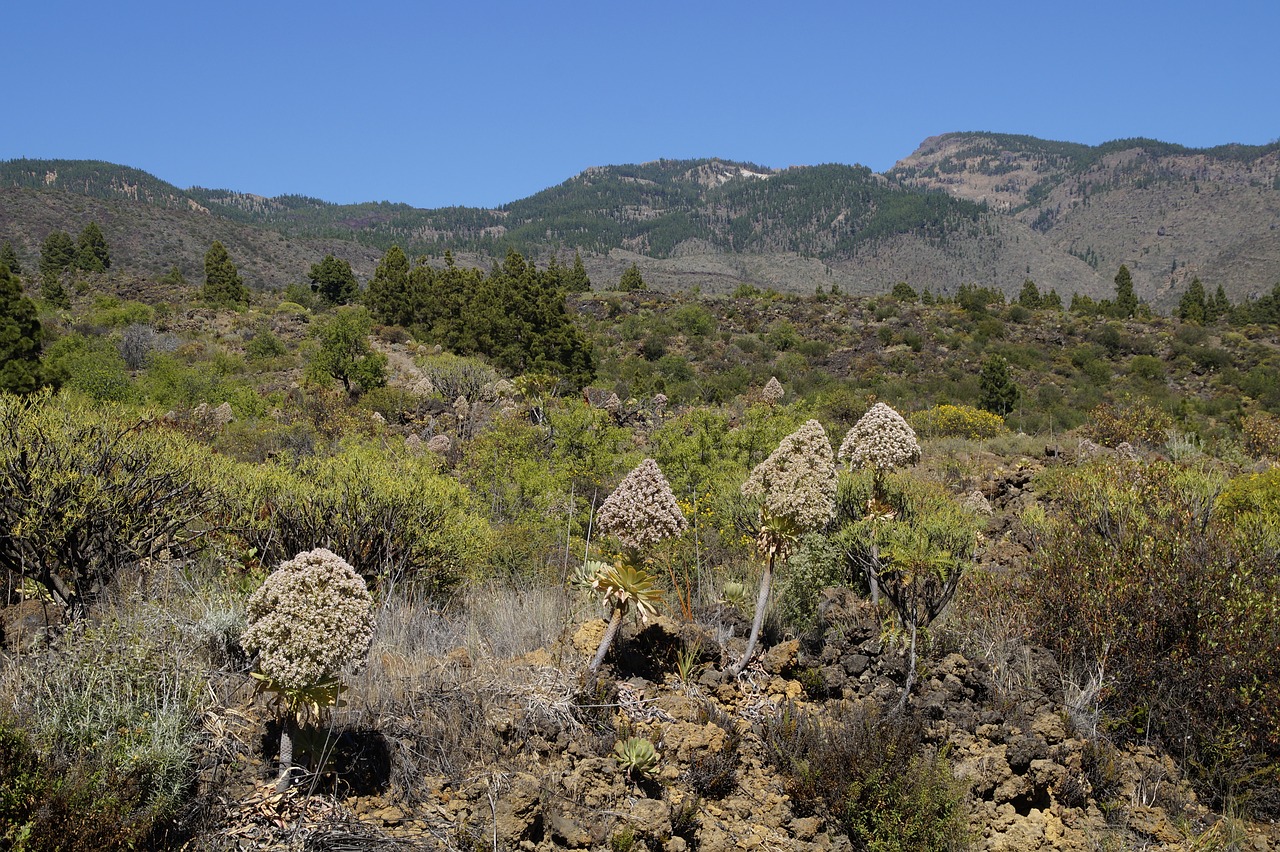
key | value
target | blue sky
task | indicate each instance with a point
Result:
(482, 103)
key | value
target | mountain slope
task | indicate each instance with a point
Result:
(1170, 213)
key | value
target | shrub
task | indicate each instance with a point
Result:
(957, 421)
(1139, 569)
(87, 492)
(1138, 422)
(1261, 433)
(871, 775)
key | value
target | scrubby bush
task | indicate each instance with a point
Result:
(87, 492)
(871, 775)
(1137, 422)
(394, 517)
(1139, 569)
(957, 421)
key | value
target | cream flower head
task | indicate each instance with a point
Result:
(641, 510)
(311, 618)
(797, 482)
(881, 441)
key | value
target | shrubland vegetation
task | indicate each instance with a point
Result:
(461, 440)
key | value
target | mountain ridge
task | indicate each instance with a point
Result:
(973, 207)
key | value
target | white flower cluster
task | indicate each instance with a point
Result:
(641, 510)
(309, 619)
(797, 482)
(773, 392)
(881, 440)
(440, 444)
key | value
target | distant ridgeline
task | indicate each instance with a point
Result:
(819, 211)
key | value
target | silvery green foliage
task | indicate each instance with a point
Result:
(797, 482)
(881, 440)
(308, 620)
(641, 510)
(773, 391)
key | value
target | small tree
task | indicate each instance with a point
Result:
(92, 254)
(996, 391)
(1029, 296)
(57, 255)
(390, 296)
(333, 281)
(9, 258)
(576, 280)
(1126, 302)
(20, 337)
(639, 513)
(631, 280)
(1192, 307)
(222, 282)
(795, 487)
(308, 621)
(345, 353)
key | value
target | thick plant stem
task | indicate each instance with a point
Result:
(766, 582)
(873, 575)
(614, 624)
(286, 753)
(911, 671)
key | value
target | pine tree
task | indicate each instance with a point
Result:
(92, 254)
(1030, 296)
(1051, 300)
(576, 280)
(222, 282)
(388, 296)
(1126, 303)
(20, 337)
(631, 280)
(996, 391)
(1192, 307)
(9, 258)
(57, 255)
(1220, 306)
(333, 281)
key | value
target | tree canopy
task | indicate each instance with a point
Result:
(92, 254)
(222, 282)
(333, 281)
(20, 337)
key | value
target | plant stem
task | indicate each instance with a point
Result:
(766, 582)
(286, 752)
(614, 624)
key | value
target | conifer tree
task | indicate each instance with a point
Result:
(1192, 306)
(20, 337)
(388, 295)
(333, 281)
(631, 280)
(1030, 295)
(1220, 306)
(222, 282)
(57, 255)
(9, 258)
(576, 280)
(1126, 303)
(92, 254)
(996, 391)
(1051, 300)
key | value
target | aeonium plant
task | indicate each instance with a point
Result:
(308, 622)
(639, 513)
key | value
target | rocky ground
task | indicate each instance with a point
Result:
(551, 781)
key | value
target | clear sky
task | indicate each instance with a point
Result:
(481, 103)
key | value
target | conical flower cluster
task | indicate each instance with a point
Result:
(773, 392)
(881, 440)
(797, 482)
(308, 620)
(641, 510)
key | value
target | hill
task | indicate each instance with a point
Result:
(1168, 212)
(981, 208)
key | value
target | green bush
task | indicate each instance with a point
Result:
(1140, 572)
(870, 774)
(956, 421)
